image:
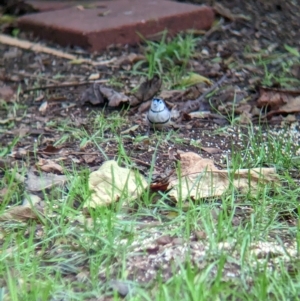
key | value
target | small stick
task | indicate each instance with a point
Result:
(215, 86)
(63, 85)
(37, 47)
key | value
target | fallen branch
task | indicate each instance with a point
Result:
(37, 47)
(4, 39)
(212, 88)
(196, 105)
(64, 85)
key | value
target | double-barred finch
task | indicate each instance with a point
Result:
(158, 115)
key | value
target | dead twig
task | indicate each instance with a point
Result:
(211, 89)
(197, 104)
(64, 85)
(37, 47)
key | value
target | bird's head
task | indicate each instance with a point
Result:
(157, 105)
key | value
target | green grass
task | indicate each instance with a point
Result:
(168, 58)
(70, 254)
(239, 246)
(277, 66)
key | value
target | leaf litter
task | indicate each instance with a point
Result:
(219, 52)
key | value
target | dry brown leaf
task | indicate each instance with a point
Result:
(245, 118)
(22, 213)
(290, 118)
(7, 93)
(48, 166)
(173, 154)
(200, 178)
(293, 106)
(130, 58)
(211, 150)
(22, 131)
(111, 182)
(19, 213)
(243, 108)
(279, 101)
(148, 89)
(89, 158)
(49, 149)
(144, 107)
(97, 93)
(114, 98)
(275, 98)
(94, 76)
(43, 181)
(179, 95)
(92, 94)
(30, 200)
(171, 94)
(43, 107)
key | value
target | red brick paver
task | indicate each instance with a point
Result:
(116, 22)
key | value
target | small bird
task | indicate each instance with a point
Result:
(158, 115)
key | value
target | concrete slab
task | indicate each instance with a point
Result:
(116, 22)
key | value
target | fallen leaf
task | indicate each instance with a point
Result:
(48, 166)
(279, 101)
(159, 186)
(171, 94)
(200, 178)
(148, 89)
(43, 180)
(111, 182)
(21, 213)
(211, 150)
(179, 95)
(130, 58)
(290, 118)
(194, 79)
(7, 93)
(94, 76)
(173, 154)
(43, 107)
(114, 98)
(30, 200)
(92, 94)
(49, 149)
(144, 107)
(245, 118)
(89, 158)
(22, 131)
